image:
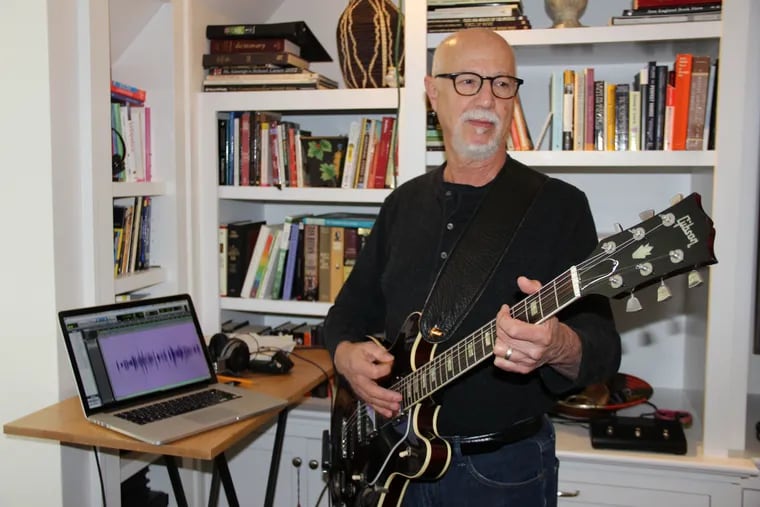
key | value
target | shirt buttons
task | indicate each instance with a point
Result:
(449, 226)
(444, 255)
(448, 193)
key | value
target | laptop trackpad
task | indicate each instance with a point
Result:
(212, 415)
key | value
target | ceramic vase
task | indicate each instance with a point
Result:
(565, 13)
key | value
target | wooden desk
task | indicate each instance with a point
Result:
(65, 423)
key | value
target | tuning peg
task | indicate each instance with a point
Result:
(663, 292)
(633, 304)
(617, 227)
(676, 199)
(646, 214)
(695, 279)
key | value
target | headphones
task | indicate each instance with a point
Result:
(229, 354)
(117, 160)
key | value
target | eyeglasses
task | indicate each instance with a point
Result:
(469, 83)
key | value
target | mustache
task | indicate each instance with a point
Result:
(480, 115)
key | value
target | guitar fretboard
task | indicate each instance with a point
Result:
(478, 346)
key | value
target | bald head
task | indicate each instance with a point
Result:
(459, 47)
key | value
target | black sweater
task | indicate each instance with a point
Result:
(415, 230)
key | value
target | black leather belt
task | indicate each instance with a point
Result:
(491, 442)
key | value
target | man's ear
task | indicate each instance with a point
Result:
(432, 92)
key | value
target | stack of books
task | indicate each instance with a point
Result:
(669, 11)
(263, 56)
(453, 15)
(130, 133)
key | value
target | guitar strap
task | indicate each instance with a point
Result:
(479, 250)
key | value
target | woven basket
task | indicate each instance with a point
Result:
(366, 42)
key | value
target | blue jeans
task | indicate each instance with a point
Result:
(522, 474)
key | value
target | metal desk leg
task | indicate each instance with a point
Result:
(223, 472)
(213, 495)
(179, 492)
(274, 467)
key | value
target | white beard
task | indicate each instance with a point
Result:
(476, 151)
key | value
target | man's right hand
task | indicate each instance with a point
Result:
(362, 364)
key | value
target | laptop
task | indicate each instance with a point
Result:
(143, 369)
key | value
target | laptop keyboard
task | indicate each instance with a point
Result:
(176, 406)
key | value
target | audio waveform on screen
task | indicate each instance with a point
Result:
(158, 359)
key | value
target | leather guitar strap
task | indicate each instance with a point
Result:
(479, 250)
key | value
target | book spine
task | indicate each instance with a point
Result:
(622, 98)
(296, 230)
(245, 148)
(323, 262)
(683, 67)
(661, 79)
(651, 141)
(310, 262)
(610, 110)
(634, 120)
(340, 222)
(698, 103)
(579, 111)
(336, 261)
(678, 9)
(252, 59)
(568, 83)
(588, 135)
(599, 132)
(271, 45)
(670, 93)
(556, 91)
(643, 4)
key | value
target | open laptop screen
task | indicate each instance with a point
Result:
(123, 352)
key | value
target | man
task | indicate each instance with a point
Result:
(502, 443)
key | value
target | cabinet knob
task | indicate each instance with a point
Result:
(313, 464)
(297, 462)
(566, 494)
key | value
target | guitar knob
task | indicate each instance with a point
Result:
(663, 292)
(633, 304)
(695, 279)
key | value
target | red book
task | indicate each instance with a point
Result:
(273, 45)
(645, 4)
(681, 95)
(382, 152)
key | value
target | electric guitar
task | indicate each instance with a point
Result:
(372, 458)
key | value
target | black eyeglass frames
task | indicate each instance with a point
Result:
(470, 83)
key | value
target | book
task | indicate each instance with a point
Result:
(342, 219)
(241, 239)
(323, 263)
(474, 11)
(323, 159)
(269, 265)
(641, 4)
(651, 106)
(222, 259)
(600, 133)
(665, 18)
(350, 250)
(263, 45)
(610, 111)
(682, 67)
(670, 93)
(556, 92)
(622, 91)
(336, 235)
(277, 59)
(568, 100)
(634, 120)
(588, 121)
(128, 92)
(310, 262)
(695, 127)
(263, 235)
(295, 31)
(296, 231)
(676, 9)
(661, 83)
(305, 77)
(712, 93)
(258, 87)
(579, 111)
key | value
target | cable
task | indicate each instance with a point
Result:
(321, 494)
(100, 476)
(324, 372)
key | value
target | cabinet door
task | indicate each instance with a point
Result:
(589, 494)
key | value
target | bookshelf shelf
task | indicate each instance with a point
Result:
(124, 189)
(139, 280)
(268, 306)
(638, 34)
(324, 195)
(667, 161)
(294, 101)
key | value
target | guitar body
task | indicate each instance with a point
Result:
(372, 457)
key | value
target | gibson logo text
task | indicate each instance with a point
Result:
(685, 223)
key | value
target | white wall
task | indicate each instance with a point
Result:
(27, 266)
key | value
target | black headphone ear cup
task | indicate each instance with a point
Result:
(236, 355)
(216, 344)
